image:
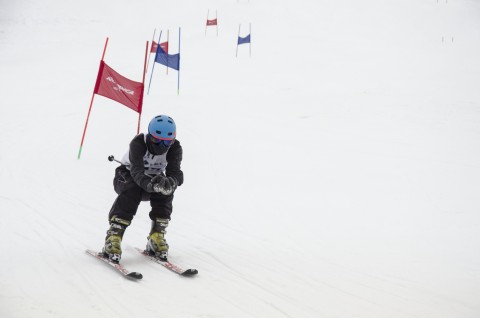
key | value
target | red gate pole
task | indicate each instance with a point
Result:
(91, 103)
(143, 82)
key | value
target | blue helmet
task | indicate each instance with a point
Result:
(162, 127)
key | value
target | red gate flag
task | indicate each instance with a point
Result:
(212, 22)
(119, 88)
(154, 47)
(163, 45)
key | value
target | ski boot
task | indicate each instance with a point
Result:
(156, 245)
(112, 248)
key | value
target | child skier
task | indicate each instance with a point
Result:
(151, 171)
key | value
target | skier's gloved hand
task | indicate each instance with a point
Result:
(168, 187)
(166, 190)
(157, 183)
(162, 184)
(153, 187)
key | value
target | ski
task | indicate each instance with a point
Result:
(119, 267)
(169, 265)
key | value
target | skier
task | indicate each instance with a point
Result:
(151, 171)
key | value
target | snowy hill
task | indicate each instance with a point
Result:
(334, 173)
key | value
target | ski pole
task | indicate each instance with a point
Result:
(112, 158)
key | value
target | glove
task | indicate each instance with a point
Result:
(169, 186)
(157, 183)
(162, 184)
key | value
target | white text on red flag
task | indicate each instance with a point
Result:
(119, 88)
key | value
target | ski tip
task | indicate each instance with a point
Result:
(135, 275)
(92, 252)
(190, 272)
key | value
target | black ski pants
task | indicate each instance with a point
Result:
(131, 194)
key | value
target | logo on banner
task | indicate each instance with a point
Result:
(120, 87)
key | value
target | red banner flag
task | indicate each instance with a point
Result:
(212, 22)
(154, 47)
(163, 45)
(114, 86)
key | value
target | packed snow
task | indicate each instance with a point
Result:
(335, 172)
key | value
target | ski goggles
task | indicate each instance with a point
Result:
(162, 142)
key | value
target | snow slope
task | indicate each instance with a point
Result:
(335, 173)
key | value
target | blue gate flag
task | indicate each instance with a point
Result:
(244, 40)
(169, 60)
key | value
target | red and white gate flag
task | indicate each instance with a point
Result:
(119, 88)
(212, 22)
(163, 45)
